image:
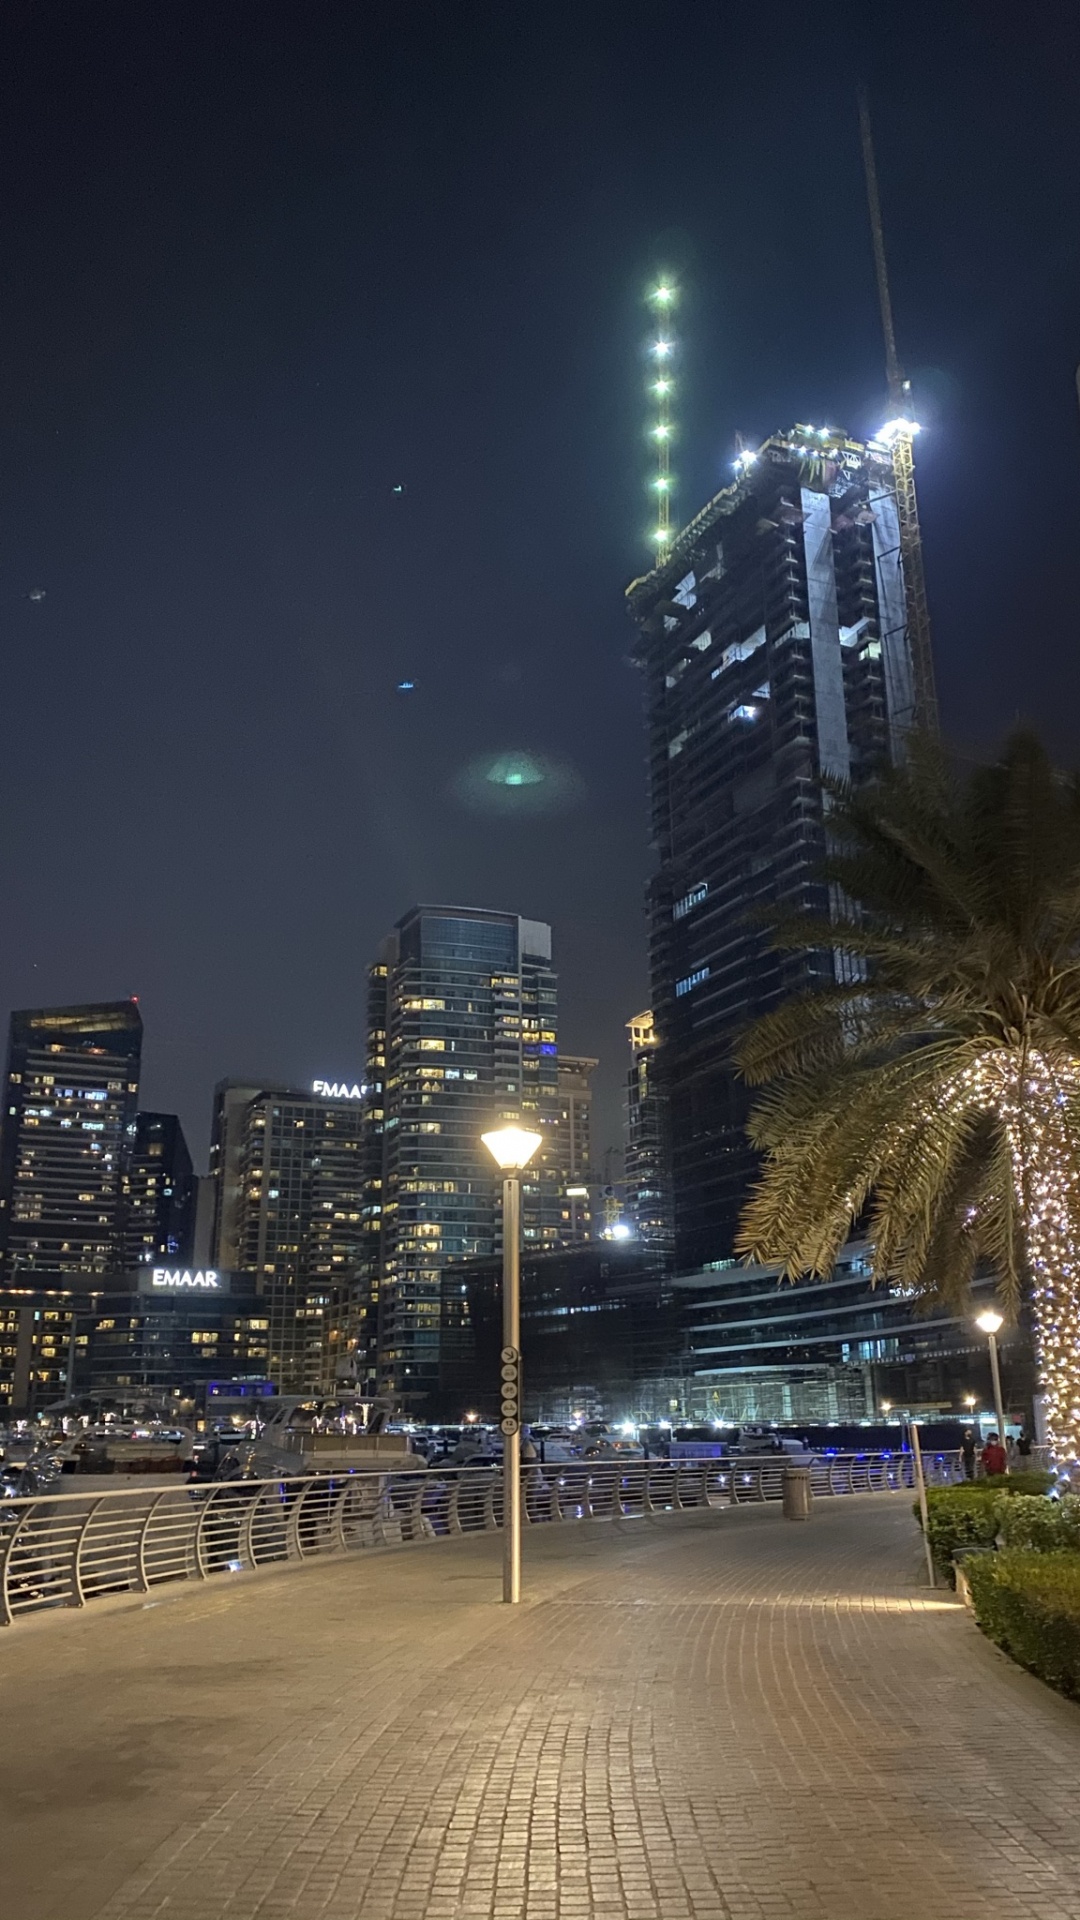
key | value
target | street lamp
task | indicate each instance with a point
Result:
(990, 1323)
(511, 1148)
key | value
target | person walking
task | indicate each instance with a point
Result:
(967, 1449)
(1023, 1450)
(994, 1459)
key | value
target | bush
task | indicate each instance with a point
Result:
(1043, 1526)
(1029, 1603)
(1034, 1481)
(959, 1517)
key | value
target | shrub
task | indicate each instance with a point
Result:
(1034, 1481)
(1043, 1526)
(1029, 1603)
(958, 1517)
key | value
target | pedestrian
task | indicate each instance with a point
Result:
(1023, 1449)
(993, 1457)
(967, 1449)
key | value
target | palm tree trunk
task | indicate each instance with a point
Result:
(1036, 1116)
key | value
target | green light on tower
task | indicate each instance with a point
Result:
(661, 298)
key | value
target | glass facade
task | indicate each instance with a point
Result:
(601, 1333)
(761, 1348)
(464, 1001)
(72, 1088)
(773, 645)
(159, 1194)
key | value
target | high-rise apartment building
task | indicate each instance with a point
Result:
(159, 1194)
(289, 1168)
(68, 1127)
(463, 1012)
(648, 1187)
(573, 1146)
(774, 646)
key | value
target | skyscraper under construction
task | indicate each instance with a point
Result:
(773, 635)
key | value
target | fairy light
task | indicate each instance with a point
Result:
(662, 298)
(1032, 1098)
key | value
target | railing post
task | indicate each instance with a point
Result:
(143, 1582)
(453, 1517)
(294, 1549)
(201, 1567)
(6, 1615)
(339, 1517)
(78, 1597)
(416, 1511)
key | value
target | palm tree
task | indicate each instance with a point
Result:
(932, 1090)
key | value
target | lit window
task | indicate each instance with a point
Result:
(689, 900)
(691, 981)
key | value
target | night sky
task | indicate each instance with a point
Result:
(263, 264)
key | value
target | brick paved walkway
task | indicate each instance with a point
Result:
(698, 1717)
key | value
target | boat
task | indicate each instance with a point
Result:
(325, 1434)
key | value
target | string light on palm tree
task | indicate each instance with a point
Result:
(661, 356)
(934, 1091)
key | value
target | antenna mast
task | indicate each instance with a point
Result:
(901, 432)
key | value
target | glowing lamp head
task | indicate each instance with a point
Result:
(661, 386)
(661, 535)
(661, 433)
(664, 294)
(990, 1322)
(894, 428)
(661, 348)
(512, 1148)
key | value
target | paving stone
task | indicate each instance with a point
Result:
(693, 1717)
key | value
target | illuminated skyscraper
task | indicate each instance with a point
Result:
(574, 1147)
(72, 1089)
(290, 1172)
(648, 1195)
(466, 1001)
(159, 1194)
(774, 646)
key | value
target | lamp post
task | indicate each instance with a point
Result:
(990, 1323)
(511, 1148)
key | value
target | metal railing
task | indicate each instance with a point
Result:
(65, 1550)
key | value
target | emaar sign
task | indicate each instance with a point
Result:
(337, 1090)
(183, 1280)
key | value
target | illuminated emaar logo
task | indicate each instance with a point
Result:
(337, 1090)
(177, 1279)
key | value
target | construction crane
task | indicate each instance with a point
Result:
(900, 434)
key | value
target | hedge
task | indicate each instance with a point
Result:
(1029, 1603)
(1033, 1481)
(969, 1515)
(1043, 1526)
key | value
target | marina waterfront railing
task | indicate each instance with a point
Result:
(65, 1550)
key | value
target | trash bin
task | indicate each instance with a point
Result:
(798, 1499)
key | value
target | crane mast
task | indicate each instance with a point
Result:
(903, 430)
